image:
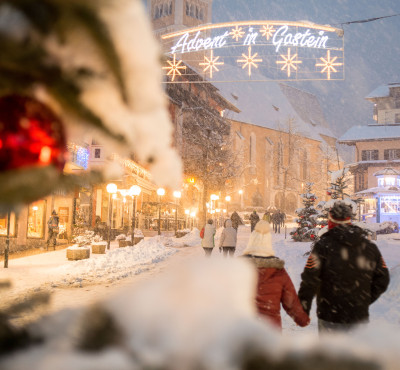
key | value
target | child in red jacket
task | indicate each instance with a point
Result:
(274, 285)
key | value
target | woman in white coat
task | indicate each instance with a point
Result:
(208, 240)
(228, 239)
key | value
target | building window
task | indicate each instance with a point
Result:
(36, 219)
(369, 155)
(304, 165)
(389, 154)
(97, 153)
(397, 117)
(360, 185)
(253, 153)
(3, 224)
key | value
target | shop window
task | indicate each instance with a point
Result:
(369, 155)
(36, 219)
(3, 224)
(390, 204)
(389, 154)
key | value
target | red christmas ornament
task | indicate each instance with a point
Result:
(328, 193)
(30, 135)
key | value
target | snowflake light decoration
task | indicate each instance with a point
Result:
(237, 33)
(267, 31)
(249, 60)
(289, 62)
(174, 68)
(328, 64)
(211, 63)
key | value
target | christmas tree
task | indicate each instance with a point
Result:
(307, 217)
(339, 184)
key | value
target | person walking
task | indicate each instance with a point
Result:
(267, 216)
(236, 220)
(274, 286)
(282, 216)
(276, 221)
(345, 271)
(52, 225)
(208, 238)
(228, 238)
(254, 218)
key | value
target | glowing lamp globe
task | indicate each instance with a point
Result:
(135, 190)
(111, 188)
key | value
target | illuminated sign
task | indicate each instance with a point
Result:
(277, 50)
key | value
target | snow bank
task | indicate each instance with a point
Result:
(116, 264)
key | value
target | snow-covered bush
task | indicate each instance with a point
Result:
(87, 238)
(120, 237)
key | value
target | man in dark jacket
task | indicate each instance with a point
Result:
(254, 218)
(345, 271)
(53, 229)
(236, 220)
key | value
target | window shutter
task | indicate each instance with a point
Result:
(386, 154)
(397, 153)
(376, 155)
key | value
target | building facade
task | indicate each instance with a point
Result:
(377, 147)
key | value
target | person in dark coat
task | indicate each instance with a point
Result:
(276, 221)
(345, 271)
(52, 225)
(274, 286)
(254, 218)
(236, 220)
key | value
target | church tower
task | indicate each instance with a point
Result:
(174, 15)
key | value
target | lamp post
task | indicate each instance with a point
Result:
(213, 198)
(111, 190)
(193, 215)
(187, 215)
(241, 198)
(160, 192)
(133, 192)
(177, 195)
(227, 199)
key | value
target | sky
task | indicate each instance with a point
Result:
(371, 49)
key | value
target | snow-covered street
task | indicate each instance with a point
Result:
(78, 283)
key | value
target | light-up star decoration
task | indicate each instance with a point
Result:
(249, 60)
(328, 64)
(174, 68)
(267, 31)
(211, 63)
(289, 62)
(237, 33)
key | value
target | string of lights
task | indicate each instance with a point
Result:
(367, 20)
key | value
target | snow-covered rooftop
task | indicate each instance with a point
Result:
(269, 104)
(373, 132)
(382, 91)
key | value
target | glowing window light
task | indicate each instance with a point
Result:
(82, 157)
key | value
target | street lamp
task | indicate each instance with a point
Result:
(187, 215)
(133, 192)
(111, 189)
(177, 195)
(241, 198)
(160, 192)
(193, 215)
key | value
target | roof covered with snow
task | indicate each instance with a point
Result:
(382, 91)
(270, 105)
(370, 132)
(387, 171)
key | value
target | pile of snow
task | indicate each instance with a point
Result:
(115, 264)
(191, 239)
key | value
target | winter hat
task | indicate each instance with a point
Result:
(339, 214)
(260, 243)
(54, 212)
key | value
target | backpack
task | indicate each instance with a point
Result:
(202, 233)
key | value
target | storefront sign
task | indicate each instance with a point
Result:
(277, 50)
